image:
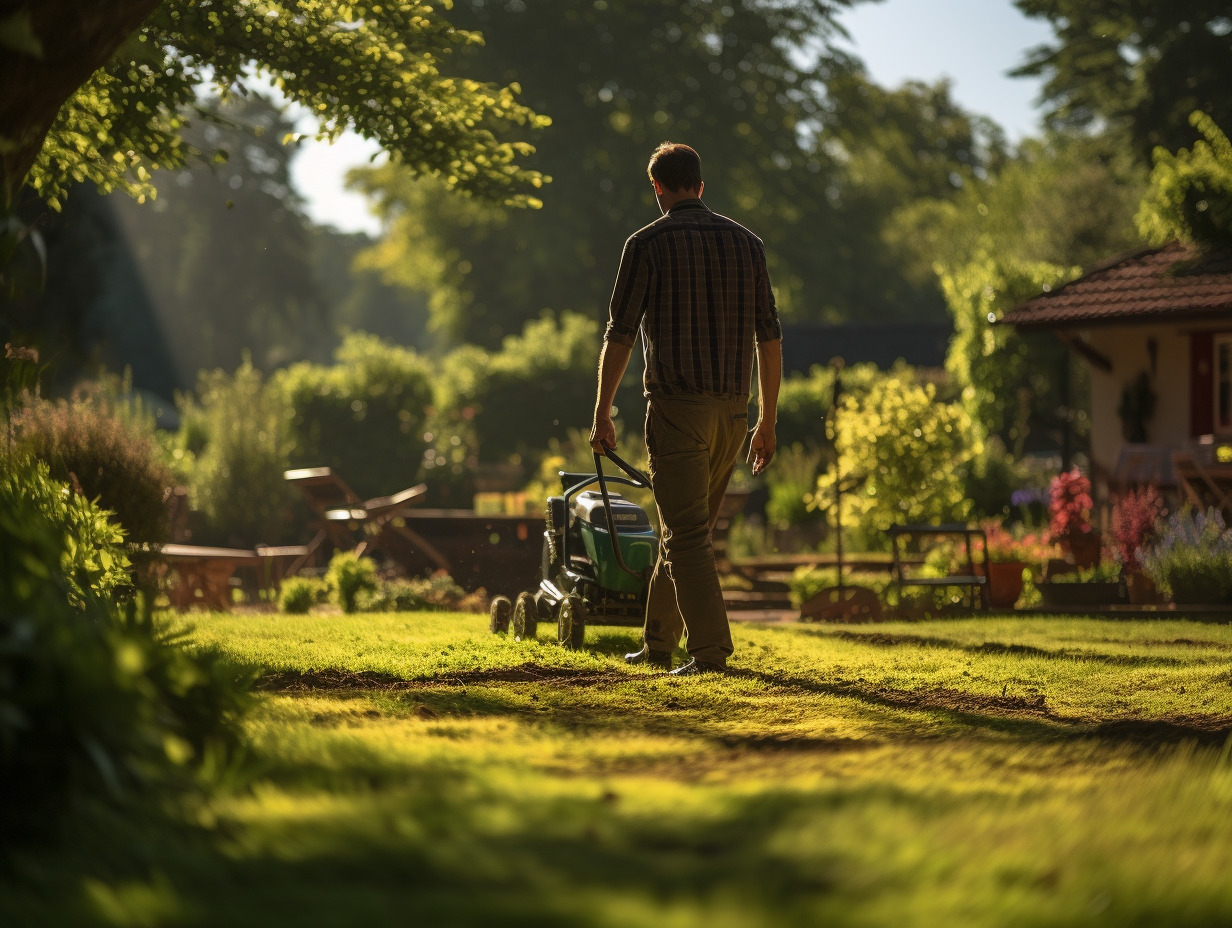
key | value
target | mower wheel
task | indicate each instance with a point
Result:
(571, 622)
(525, 617)
(498, 615)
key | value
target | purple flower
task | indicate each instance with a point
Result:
(1028, 496)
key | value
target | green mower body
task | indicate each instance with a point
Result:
(639, 544)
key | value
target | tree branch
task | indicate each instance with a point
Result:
(77, 38)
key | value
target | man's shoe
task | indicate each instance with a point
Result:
(694, 667)
(648, 655)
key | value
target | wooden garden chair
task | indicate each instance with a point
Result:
(340, 514)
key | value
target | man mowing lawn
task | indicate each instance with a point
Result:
(695, 285)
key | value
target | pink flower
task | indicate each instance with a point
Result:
(1069, 505)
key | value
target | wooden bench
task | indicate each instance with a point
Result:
(972, 579)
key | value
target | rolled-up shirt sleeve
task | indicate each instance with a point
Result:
(766, 322)
(630, 295)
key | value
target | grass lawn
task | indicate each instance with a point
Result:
(415, 769)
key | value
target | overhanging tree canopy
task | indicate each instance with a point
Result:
(97, 89)
(1144, 65)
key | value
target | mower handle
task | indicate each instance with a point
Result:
(637, 479)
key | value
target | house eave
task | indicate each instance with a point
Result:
(1217, 317)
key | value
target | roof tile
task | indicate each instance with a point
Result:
(1171, 282)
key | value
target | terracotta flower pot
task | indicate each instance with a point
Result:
(1083, 548)
(1004, 583)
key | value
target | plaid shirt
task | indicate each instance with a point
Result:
(695, 283)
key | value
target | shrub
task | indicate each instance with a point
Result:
(299, 594)
(88, 443)
(902, 457)
(804, 404)
(541, 382)
(348, 576)
(806, 582)
(805, 401)
(438, 592)
(95, 704)
(789, 483)
(364, 416)
(241, 430)
(991, 481)
(1103, 572)
(92, 559)
(1191, 559)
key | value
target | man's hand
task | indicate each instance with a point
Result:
(613, 359)
(769, 375)
(761, 448)
(602, 434)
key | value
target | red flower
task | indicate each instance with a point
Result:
(1133, 523)
(1069, 505)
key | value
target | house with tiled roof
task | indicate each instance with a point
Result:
(1155, 326)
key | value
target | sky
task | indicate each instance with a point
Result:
(972, 42)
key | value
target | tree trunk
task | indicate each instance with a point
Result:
(77, 38)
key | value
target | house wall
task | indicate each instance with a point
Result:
(1126, 348)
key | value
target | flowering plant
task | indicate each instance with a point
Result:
(1134, 521)
(1006, 547)
(1192, 558)
(1069, 505)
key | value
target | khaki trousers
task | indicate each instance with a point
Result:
(693, 441)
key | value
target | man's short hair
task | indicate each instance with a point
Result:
(676, 167)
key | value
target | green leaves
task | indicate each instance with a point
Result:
(95, 703)
(363, 416)
(91, 560)
(990, 364)
(1190, 194)
(1143, 66)
(372, 67)
(902, 456)
(237, 477)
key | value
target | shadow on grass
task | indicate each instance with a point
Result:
(439, 848)
(292, 681)
(434, 852)
(882, 639)
(541, 694)
(1024, 716)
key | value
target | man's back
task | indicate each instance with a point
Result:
(696, 284)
